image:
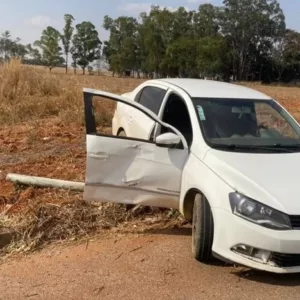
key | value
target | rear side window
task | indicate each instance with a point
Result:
(152, 97)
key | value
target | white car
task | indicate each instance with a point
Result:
(226, 156)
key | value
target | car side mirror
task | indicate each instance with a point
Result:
(167, 140)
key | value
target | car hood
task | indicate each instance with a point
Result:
(272, 179)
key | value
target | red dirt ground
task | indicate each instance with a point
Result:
(153, 266)
(52, 150)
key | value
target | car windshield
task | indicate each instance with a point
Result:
(249, 124)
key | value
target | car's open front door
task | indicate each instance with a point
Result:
(127, 170)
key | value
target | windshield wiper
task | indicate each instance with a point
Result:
(291, 146)
(279, 147)
(273, 148)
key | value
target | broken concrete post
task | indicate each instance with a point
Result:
(45, 182)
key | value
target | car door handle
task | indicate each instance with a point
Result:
(103, 156)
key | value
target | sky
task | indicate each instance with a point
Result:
(27, 19)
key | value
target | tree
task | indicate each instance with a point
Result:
(86, 45)
(155, 34)
(121, 48)
(106, 53)
(34, 56)
(180, 59)
(75, 57)
(278, 56)
(67, 36)
(18, 50)
(11, 48)
(182, 23)
(212, 56)
(5, 44)
(34, 53)
(206, 20)
(250, 24)
(49, 44)
(291, 54)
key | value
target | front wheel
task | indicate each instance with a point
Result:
(203, 230)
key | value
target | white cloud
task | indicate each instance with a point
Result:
(39, 21)
(135, 8)
(198, 1)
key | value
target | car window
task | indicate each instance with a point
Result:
(267, 117)
(246, 122)
(138, 95)
(152, 97)
(105, 116)
(176, 114)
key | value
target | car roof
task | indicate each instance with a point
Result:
(214, 89)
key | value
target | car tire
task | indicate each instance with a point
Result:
(122, 133)
(203, 230)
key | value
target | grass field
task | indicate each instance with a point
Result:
(42, 134)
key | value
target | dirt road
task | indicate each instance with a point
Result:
(157, 266)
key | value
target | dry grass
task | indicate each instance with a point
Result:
(43, 223)
(27, 93)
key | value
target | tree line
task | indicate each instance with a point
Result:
(54, 48)
(238, 40)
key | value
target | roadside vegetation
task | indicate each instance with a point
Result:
(41, 108)
(42, 134)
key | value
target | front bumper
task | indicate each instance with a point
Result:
(231, 230)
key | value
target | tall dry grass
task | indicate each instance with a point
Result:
(33, 93)
(28, 93)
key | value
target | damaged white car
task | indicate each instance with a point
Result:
(226, 156)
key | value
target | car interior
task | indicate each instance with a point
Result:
(221, 122)
(177, 115)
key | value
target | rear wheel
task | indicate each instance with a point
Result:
(203, 230)
(122, 133)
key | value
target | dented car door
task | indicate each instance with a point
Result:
(129, 170)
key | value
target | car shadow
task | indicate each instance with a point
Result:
(268, 278)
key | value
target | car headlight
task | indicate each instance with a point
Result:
(258, 213)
